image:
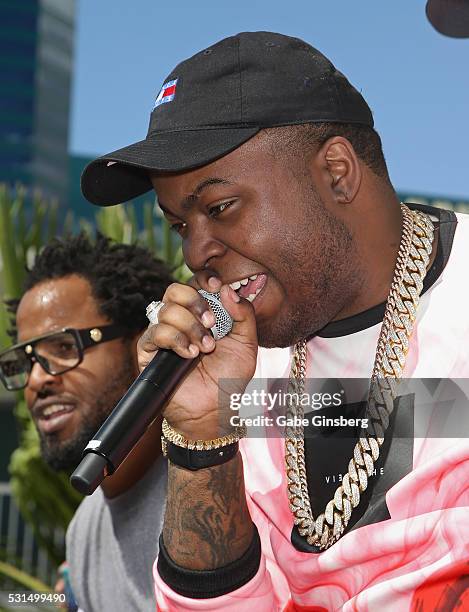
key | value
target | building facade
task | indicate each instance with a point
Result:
(36, 59)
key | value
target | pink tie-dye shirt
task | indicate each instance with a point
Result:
(418, 559)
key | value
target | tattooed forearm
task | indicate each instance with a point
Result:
(207, 523)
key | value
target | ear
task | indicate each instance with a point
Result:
(341, 168)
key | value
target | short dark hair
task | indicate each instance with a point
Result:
(124, 278)
(365, 141)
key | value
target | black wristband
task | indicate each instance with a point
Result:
(204, 584)
(199, 459)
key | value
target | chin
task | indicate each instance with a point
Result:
(66, 454)
(60, 459)
(288, 330)
(272, 338)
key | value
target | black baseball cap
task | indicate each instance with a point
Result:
(218, 99)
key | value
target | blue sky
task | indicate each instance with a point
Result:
(415, 80)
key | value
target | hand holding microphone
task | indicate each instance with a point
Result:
(181, 335)
(184, 324)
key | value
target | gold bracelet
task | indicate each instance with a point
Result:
(171, 435)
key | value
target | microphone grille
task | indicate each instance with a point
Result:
(223, 321)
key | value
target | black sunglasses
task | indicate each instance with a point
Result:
(57, 352)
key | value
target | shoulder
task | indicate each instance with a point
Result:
(443, 332)
(87, 517)
(454, 238)
(461, 233)
(82, 537)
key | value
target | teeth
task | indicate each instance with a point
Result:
(251, 297)
(237, 284)
(53, 409)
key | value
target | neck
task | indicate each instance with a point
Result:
(136, 464)
(378, 252)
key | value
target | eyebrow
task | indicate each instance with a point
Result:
(189, 200)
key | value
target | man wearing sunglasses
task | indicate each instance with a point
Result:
(77, 324)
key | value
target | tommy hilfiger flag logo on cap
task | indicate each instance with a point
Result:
(167, 93)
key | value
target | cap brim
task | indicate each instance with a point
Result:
(449, 17)
(122, 175)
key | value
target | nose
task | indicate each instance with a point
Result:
(200, 247)
(39, 378)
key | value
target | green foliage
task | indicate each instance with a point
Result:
(46, 499)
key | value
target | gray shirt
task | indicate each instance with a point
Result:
(112, 544)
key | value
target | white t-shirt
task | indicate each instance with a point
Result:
(408, 540)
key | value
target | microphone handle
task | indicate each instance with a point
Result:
(150, 391)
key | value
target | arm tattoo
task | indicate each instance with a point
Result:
(207, 523)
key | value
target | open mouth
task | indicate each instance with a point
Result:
(249, 287)
(55, 410)
(54, 417)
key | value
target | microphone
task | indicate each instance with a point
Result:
(138, 408)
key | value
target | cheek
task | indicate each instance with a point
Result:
(112, 366)
(87, 381)
(82, 385)
(256, 239)
(29, 397)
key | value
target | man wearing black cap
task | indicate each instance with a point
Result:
(265, 161)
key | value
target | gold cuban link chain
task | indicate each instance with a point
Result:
(393, 343)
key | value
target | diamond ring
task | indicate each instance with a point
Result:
(152, 311)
